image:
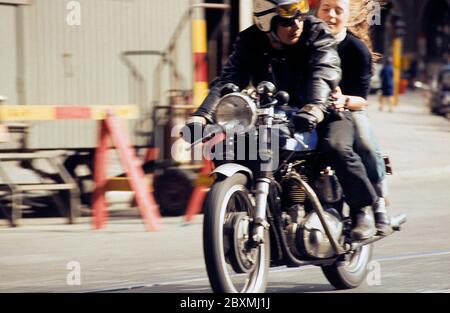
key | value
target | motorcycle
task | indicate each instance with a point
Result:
(259, 214)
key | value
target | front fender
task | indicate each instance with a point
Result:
(229, 169)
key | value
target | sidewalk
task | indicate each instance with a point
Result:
(417, 142)
(35, 256)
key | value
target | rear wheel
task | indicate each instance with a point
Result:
(232, 264)
(352, 272)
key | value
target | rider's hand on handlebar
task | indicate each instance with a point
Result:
(193, 130)
(307, 118)
(304, 122)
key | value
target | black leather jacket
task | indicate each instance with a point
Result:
(308, 70)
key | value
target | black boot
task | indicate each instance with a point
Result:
(363, 224)
(382, 221)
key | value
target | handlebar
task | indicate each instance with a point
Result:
(205, 138)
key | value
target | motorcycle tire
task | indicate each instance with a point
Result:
(350, 274)
(214, 237)
(172, 190)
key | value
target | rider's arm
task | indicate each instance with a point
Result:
(324, 75)
(236, 71)
(324, 65)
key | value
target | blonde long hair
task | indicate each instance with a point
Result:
(360, 13)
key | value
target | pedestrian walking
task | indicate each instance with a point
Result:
(387, 85)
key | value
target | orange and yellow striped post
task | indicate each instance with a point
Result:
(200, 50)
(397, 58)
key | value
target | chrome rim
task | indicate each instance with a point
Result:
(254, 278)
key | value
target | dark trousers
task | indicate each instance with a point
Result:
(338, 137)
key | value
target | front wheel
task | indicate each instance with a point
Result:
(349, 274)
(232, 264)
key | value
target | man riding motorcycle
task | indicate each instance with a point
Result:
(298, 54)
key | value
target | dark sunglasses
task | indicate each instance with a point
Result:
(290, 22)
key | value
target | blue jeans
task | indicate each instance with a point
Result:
(366, 146)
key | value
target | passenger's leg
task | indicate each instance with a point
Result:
(366, 146)
(368, 149)
(359, 193)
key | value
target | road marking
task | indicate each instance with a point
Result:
(430, 172)
(174, 282)
(278, 270)
(413, 256)
(436, 291)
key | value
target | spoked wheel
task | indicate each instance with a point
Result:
(233, 265)
(352, 272)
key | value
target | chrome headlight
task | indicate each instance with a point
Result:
(236, 112)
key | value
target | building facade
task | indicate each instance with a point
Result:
(424, 26)
(89, 52)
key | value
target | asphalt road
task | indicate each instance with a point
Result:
(125, 258)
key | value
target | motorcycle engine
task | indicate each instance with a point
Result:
(311, 238)
(305, 234)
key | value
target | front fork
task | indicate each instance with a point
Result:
(264, 179)
(260, 223)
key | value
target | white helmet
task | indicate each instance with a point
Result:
(265, 10)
